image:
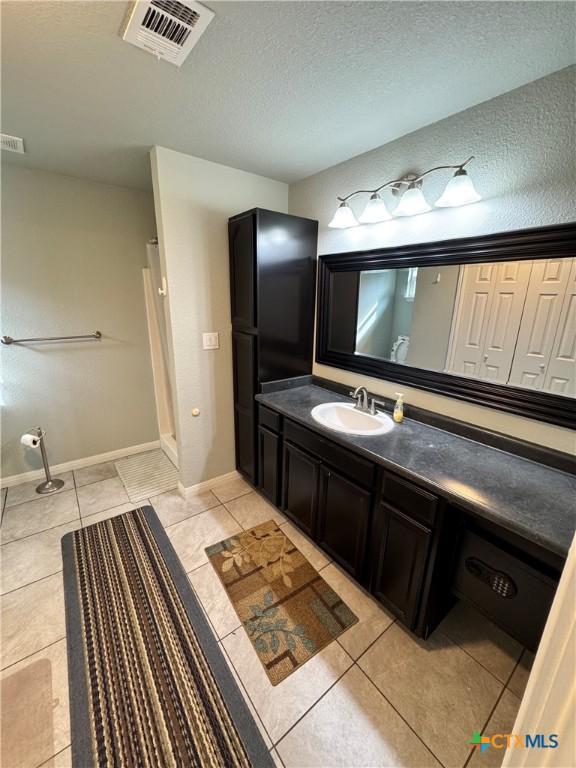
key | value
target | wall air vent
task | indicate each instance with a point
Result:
(168, 29)
(12, 143)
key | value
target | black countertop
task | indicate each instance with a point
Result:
(530, 499)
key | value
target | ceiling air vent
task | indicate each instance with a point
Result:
(169, 29)
(11, 143)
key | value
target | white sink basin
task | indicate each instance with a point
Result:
(345, 417)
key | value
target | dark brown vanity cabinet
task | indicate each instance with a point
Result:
(269, 461)
(243, 356)
(272, 281)
(343, 518)
(411, 548)
(269, 454)
(402, 533)
(327, 491)
(300, 494)
(402, 547)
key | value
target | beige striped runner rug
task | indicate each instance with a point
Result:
(149, 687)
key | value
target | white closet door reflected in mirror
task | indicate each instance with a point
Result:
(508, 322)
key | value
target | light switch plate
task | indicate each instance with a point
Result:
(210, 341)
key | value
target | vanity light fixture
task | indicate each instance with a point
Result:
(375, 211)
(343, 217)
(412, 202)
(458, 191)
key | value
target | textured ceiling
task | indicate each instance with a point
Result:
(282, 89)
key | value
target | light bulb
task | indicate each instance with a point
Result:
(375, 210)
(459, 191)
(412, 202)
(343, 217)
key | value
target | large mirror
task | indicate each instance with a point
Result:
(507, 322)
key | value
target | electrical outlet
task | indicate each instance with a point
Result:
(210, 341)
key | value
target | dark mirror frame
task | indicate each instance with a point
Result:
(540, 243)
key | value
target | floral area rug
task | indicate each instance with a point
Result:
(288, 610)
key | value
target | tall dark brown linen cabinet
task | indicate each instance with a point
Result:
(272, 289)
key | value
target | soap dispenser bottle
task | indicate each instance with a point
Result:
(399, 408)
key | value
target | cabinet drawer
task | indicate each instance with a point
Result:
(512, 593)
(408, 498)
(356, 468)
(270, 419)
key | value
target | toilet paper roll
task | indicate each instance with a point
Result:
(32, 441)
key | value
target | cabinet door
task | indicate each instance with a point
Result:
(343, 515)
(269, 463)
(401, 556)
(241, 235)
(244, 363)
(245, 435)
(300, 488)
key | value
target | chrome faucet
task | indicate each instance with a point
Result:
(374, 403)
(360, 394)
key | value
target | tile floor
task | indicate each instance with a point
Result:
(375, 697)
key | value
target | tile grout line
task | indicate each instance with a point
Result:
(282, 763)
(188, 517)
(400, 715)
(44, 530)
(78, 499)
(365, 651)
(232, 515)
(476, 660)
(28, 655)
(204, 611)
(311, 707)
(373, 642)
(498, 699)
(40, 497)
(80, 517)
(194, 514)
(54, 755)
(3, 505)
(63, 490)
(11, 591)
(244, 690)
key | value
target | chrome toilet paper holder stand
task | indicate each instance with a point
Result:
(50, 485)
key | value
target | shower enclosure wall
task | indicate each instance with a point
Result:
(155, 293)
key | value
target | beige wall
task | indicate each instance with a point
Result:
(194, 199)
(432, 316)
(525, 146)
(72, 258)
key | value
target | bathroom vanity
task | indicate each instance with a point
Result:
(420, 515)
(432, 509)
